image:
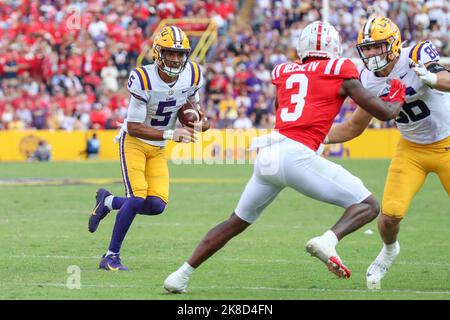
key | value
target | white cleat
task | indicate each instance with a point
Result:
(176, 283)
(378, 269)
(325, 252)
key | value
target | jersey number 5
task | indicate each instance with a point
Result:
(162, 117)
(296, 99)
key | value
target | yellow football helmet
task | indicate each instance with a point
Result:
(379, 32)
(171, 50)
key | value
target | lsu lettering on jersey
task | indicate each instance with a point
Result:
(308, 97)
(156, 103)
(425, 116)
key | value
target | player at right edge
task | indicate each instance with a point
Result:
(424, 124)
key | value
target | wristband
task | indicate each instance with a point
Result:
(432, 79)
(168, 135)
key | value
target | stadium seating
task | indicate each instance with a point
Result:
(64, 66)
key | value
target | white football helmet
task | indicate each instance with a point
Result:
(319, 39)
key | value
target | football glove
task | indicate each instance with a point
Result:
(426, 76)
(396, 93)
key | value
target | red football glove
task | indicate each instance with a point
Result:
(396, 93)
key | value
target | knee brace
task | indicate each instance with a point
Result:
(153, 206)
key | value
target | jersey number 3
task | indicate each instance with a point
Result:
(296, 99)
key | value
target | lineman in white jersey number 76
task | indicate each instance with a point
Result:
(424, 124)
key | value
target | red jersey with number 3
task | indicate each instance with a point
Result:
(308, 97)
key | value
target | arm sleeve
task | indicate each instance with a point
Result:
(194, 98)
(137, 110)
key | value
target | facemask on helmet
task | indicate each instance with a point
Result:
(379, 43)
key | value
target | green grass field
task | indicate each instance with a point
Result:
(43, 231)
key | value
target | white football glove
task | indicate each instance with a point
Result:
(426, 76)
(185, 135)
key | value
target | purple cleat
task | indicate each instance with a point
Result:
(112, 263)
(100, 211)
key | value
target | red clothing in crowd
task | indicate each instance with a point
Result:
(75, 64)
(100, 60)
(93, 80)
(98, 119)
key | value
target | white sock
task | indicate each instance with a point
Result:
(330, 236)
(110, 253)
(392, 248)
(108, 201)
(186, 269)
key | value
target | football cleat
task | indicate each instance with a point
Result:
(100, 210)
(326, 253)
(176, 283)
(378, 269)
(112, 263)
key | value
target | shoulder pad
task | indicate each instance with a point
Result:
(424, 51)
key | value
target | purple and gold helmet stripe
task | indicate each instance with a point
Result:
(177, 34)
(367, 27)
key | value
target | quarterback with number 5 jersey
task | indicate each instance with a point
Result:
(424, 124)
(157, 92)
(309, 96)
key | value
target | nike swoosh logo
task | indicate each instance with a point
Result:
(401, 77)
(184, 91)
(93, 212)
(395, 93)
(111, 268)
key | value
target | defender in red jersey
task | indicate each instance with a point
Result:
(309, 95)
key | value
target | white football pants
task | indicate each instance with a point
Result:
(283, 162)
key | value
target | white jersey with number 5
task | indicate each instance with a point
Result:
(154, 102)
(425, 116)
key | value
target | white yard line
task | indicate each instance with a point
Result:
(57, 284)
(221, 288)
(290, 261)
(321, 290)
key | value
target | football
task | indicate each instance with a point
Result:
(188, 113)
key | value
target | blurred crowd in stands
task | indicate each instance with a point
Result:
(64, 64)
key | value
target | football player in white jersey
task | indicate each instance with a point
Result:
(157, 93)
(424, 124)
